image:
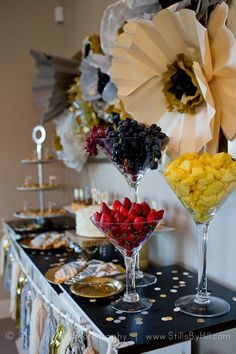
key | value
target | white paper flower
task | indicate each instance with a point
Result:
(146, 50)
(95, 79)
(122, 11)
(73, 152)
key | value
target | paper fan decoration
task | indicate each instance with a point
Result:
(176, 72)
(54, 78)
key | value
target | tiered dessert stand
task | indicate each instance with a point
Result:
(42, 214)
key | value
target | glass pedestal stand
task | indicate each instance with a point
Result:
(202, 304)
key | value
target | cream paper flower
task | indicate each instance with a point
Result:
(147, 53)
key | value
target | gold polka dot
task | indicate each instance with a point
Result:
(157, 289)
(159, 273)
(200, 320)
(109, 319)
(167, 318)
(152, 300)
(163, 295)
(133, 334)
(185, 273)
(92, 300)
(175, 278)
(234, 298)
(176, 286)
(190, 276)
(182, 285)
(182, 282)
(144, 312)
(138, 319)
(174, 271)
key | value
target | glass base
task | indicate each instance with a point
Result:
(213, 308)
(140, 281)
(131, 307)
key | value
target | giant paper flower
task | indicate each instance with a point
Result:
(174, 71)
(122, 11)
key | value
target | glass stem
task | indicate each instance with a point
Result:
(130, 293)
(202, 233)
(134, 188)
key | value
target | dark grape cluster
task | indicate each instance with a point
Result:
(135, 146)
(131, 145)
(96, 133)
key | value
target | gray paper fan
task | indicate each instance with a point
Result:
(55, 77)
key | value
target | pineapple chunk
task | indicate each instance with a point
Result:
(186, 165)
(213, 188)
(197, 172)
(227, 175)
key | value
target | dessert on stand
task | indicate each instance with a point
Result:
(40, 159)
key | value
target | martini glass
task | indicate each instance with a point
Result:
(128, 240)
(201, 304)
(133, 167)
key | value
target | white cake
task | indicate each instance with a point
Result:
(84, 226)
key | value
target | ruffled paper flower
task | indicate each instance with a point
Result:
(174, 71)
(70, 143)
(116, 15)
(95, 79)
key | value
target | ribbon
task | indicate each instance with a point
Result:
(57, 339)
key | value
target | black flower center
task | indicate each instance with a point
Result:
(103, 80)
(182, 84)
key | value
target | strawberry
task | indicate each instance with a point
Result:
(131, 216)
(137, 208)
(119, 218)
(125, 228)
(139, 223)
(127, 203)
(159, 214)
(113, 213)
(145, 208)
(116, 205)
(106, 219)
(152, 219)
(97, 216)
(105, 209)
(124, 211)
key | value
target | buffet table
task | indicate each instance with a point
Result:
(161, 326)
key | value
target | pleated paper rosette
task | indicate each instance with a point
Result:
(143, 54)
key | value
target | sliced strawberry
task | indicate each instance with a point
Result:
(127, 203)
(106, 219)
(145, 208)
(116, 205)
(139, 223)
(124, 211)
(97, 216)
(159, 214)
(105, 209)
(119, 218)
